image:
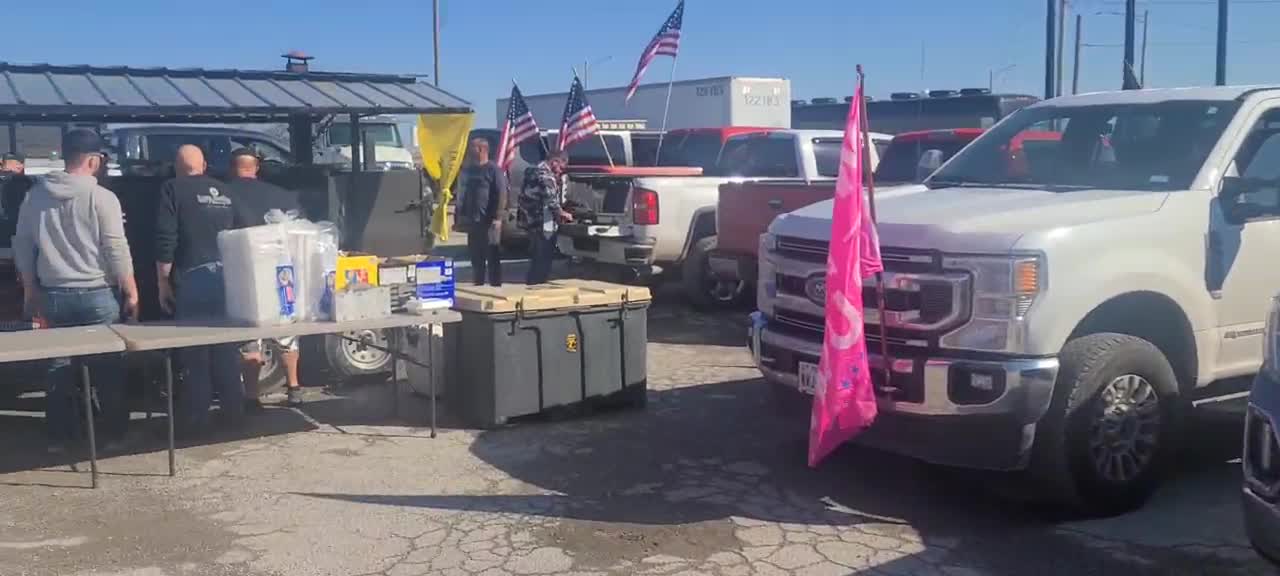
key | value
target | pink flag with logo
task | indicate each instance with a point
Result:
(844, 401)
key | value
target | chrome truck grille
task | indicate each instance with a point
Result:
(921, 299)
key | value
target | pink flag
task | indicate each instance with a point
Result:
(844, 402)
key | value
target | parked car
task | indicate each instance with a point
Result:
(1054, 310)
(149, 150)
(1261, 454)
(644, 224)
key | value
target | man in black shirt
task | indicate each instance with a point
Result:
(253, 199)
(481, 207)
(194, 208)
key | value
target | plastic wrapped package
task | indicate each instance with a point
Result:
(314, 250)
(259, 275)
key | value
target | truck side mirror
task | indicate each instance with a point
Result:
(1245, 199)
(929, 163)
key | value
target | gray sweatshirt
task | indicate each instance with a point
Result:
(70, 234)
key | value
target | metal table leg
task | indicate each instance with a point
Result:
(88, 419)
(168, 388)
(431, 365)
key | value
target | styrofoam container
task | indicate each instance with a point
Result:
(259, 275)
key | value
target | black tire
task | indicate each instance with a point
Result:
(271, 377)
(1095, 371)
(703, 289)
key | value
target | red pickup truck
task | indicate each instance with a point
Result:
(745, 209)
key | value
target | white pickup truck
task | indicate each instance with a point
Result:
(641, 223)
(1055, 308)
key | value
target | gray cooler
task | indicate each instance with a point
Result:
(521, 350)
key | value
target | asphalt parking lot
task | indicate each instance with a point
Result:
(710, 478)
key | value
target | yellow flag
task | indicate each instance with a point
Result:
(442, 140)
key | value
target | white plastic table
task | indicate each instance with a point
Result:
(171, 335)
(29, 345)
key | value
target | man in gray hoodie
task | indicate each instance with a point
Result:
(76, 270)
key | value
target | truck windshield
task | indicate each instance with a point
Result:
(382, 134)
(759, 156)
(691, 149)
(1149, 146)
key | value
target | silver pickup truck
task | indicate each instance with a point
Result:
(643, 223)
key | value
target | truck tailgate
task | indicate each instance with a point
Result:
(745, 210)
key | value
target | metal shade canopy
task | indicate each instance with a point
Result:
(52, 93)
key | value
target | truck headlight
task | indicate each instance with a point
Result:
(1004, 289)
(1270, 340)
(768, 242)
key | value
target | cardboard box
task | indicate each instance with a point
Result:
(356, 269)
(432, 276)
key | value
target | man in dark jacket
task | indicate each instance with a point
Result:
(253, 199)
(194, 208)
(481, 206)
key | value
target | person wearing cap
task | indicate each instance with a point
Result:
(13, 163)
(253, 199)
(194, 208)
(76, 270)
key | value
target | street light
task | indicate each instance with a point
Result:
(586, 65)
(992, 73)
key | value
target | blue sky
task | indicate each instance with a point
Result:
(815, 43)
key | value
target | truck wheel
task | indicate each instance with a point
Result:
(346, 359)
(1112, 426)
(706, 290)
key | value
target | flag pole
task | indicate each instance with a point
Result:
(865, 126)
(665, 109)
(603, 143)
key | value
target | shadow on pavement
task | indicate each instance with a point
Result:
(722, 451)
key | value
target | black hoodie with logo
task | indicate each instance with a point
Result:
(193, 210)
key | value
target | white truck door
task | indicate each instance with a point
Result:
(1242, 257)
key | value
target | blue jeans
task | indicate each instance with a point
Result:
(84, 307)
(542, 250)
(201, 297)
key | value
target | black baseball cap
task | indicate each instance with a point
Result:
(80, 141)
(13, 156)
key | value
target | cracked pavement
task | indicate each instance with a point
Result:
(708, 479)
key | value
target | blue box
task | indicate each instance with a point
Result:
(434, 279)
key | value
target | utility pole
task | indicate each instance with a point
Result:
(1142, 68)
(435, 38)
(1221, 76)
(1049, 30)
(1130, 15)
(1075, 73)
(1062, 34)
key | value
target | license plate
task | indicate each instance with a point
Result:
(808, 377)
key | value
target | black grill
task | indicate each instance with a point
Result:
(803, 249)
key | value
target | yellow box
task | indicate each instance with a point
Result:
(356, 269)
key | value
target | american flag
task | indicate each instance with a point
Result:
(579, 121)
(518, 128)
(666, 43)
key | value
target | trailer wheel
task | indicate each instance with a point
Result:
(704, 288)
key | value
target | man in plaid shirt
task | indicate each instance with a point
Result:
(540, 213)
